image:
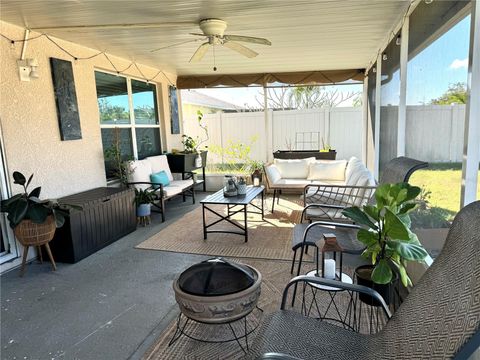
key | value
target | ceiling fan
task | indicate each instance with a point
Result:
(213, 32)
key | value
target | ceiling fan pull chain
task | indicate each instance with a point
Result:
(214, 61)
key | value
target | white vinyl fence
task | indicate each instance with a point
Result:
(434, 132)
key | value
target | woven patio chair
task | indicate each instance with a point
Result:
(326, 202)
(439, 319)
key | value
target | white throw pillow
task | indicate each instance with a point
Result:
(331, 170)
(139, 171)
(354, 168)
(273, 174)
(293, 169)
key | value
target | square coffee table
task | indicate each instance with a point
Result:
(235, 205)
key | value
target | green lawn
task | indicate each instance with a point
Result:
(443, 182)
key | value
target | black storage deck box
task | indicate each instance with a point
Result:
(108, 214)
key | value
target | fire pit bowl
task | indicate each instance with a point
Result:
(217, 291)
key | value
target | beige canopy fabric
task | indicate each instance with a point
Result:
(294, 78)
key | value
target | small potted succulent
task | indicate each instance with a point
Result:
(386, 233)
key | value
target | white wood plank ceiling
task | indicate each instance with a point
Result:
(305, 35)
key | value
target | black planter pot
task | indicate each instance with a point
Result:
(302, 154)
(363, 276)
(182, 163)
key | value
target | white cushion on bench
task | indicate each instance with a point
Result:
(293, 169)
(169, 191)
(273, 173)
(139, 171)
(327, 170)
(292, 183)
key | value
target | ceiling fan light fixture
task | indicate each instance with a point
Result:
(213, 27)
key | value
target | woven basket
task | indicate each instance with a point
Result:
(33, 234)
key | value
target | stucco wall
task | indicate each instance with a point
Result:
(29, 117)
(29, 121)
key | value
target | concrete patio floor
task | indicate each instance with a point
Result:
(111, 305)
(104, 307)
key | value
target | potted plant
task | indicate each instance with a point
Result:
(389, 242)
(192, 157)
(143, 201)
(33, 220)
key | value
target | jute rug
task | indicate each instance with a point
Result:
(275, 275)
(267, 239)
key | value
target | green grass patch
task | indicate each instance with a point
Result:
(441, 192)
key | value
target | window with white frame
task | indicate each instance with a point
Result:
(128, 112)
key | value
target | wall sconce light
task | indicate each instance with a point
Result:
(374, 70)
(27, 69)
(398, 40)
(384, 57)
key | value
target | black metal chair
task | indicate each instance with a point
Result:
(326, 202)
(439, 319)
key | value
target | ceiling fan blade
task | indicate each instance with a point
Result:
(249, 39)
(200, 53)
(177, 44)
(114, 26)
(240, 49)
(197, 34)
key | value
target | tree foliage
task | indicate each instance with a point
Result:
(302, 97)
(456, 94)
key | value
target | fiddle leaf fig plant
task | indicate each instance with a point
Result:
(386, 231)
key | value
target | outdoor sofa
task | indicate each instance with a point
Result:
(139, 176)
(298, 174)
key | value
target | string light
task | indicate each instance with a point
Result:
(392, 35)
(77, 58)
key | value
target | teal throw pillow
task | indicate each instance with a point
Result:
(159, 178)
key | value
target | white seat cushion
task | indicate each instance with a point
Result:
(327, 170)
(139, 171)
(159, 163)
(182, 184)
(170, 191)
(324, 213)
(293, 169)
(328, 182)
(292, 183)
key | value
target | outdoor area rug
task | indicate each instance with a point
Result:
(275, 275)
(267, 239)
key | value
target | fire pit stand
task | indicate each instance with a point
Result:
(217, 292)
(189, 331)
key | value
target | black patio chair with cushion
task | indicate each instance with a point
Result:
(439, 319)
(326, 202)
